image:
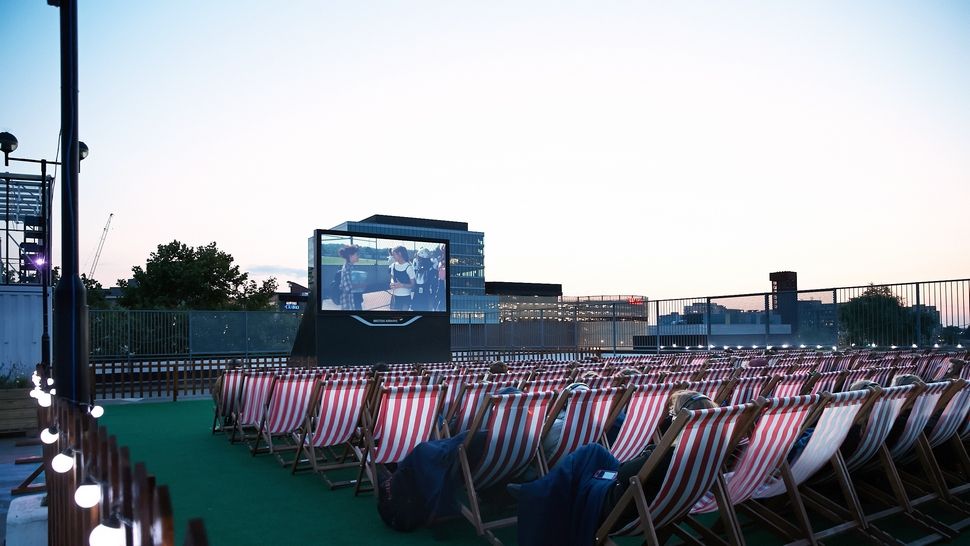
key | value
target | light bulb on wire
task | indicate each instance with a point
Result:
(49, 435)
(63, 461)
(88, 494)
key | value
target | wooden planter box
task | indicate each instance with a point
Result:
(18, 411)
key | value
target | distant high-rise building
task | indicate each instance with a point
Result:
(784, 297)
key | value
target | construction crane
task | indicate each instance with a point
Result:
(97, 253)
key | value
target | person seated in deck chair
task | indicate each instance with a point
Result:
(956, 369)
(424, 485)
(852, 438)
(496, 369)
(570, 492)
(900, 424)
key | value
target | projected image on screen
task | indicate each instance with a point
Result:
(382, 274)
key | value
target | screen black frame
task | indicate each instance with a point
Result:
(318, 275)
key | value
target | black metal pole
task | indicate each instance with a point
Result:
(70, 302)
(45, 279)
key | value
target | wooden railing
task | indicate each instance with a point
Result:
(131, 501)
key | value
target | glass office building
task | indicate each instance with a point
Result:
(467, 257)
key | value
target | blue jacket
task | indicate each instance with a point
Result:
(563, 507)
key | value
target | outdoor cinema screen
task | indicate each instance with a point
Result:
(367, 273)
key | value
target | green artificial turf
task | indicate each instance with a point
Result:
(253, 500)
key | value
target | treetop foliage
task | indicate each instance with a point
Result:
(178, 276)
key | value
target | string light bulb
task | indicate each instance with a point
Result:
(97, 411)
(49, 435)
(88, 494)
(63, 461)
(110, 532)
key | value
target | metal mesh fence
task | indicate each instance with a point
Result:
(923, 314)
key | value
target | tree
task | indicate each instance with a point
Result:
(93, 290)
(178, 276)
(878, 316)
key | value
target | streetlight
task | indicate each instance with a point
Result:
(42, 263)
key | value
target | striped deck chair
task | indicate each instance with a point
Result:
(924, 400)
(779, 424)
(641, 379)
(698, 442)
(715, 390)
(715, 374)
(953, 409)
(285, 411)
(469, 398)
(333, 421)
(827, 382)
(513, 427)
(881, 376)
(745, 390)
(646, 406)
(586, 422)
(597, 382)
(790, 385)
(881, 417)
(226, 398)
(839, 411)
(540, 385)
(248, 410)
(679, 377)
(404, 417)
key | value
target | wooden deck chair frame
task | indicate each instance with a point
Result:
(802, 531)
(238, 408)
(854, 517)
(615, 393)
(298, 404)
(226, 399)
(812, 405)
(322, 459)
(368, 451)
(533, 422)
(634, 492)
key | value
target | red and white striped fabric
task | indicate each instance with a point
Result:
(826, 382)
(512, 439)
(642, 379)
(830, 431)
(339, 411)
(452, 384)
(709, 389)
(747, 389)
(881, 418)
(646, 408)
(252, 400)
(880, 375)
(471, 397)
(790, 385)
(919, 415)
(403, 381)
(679, 377)
(778, 427)
(540, 385)
(406, 417)
(716, 374)
(551, 375)
(696, 460)
(232, 381)
(585, 421)
(288, 403)
(597, 382)
(346, 376)
(952, 417)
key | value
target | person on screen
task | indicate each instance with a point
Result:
(402, 279)
(349, 300)
(425, 281)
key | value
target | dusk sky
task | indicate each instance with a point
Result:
(658, 148)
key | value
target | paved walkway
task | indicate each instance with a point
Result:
(12, 474)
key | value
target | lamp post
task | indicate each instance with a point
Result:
(42, 263)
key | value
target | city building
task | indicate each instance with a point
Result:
(469, 302)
